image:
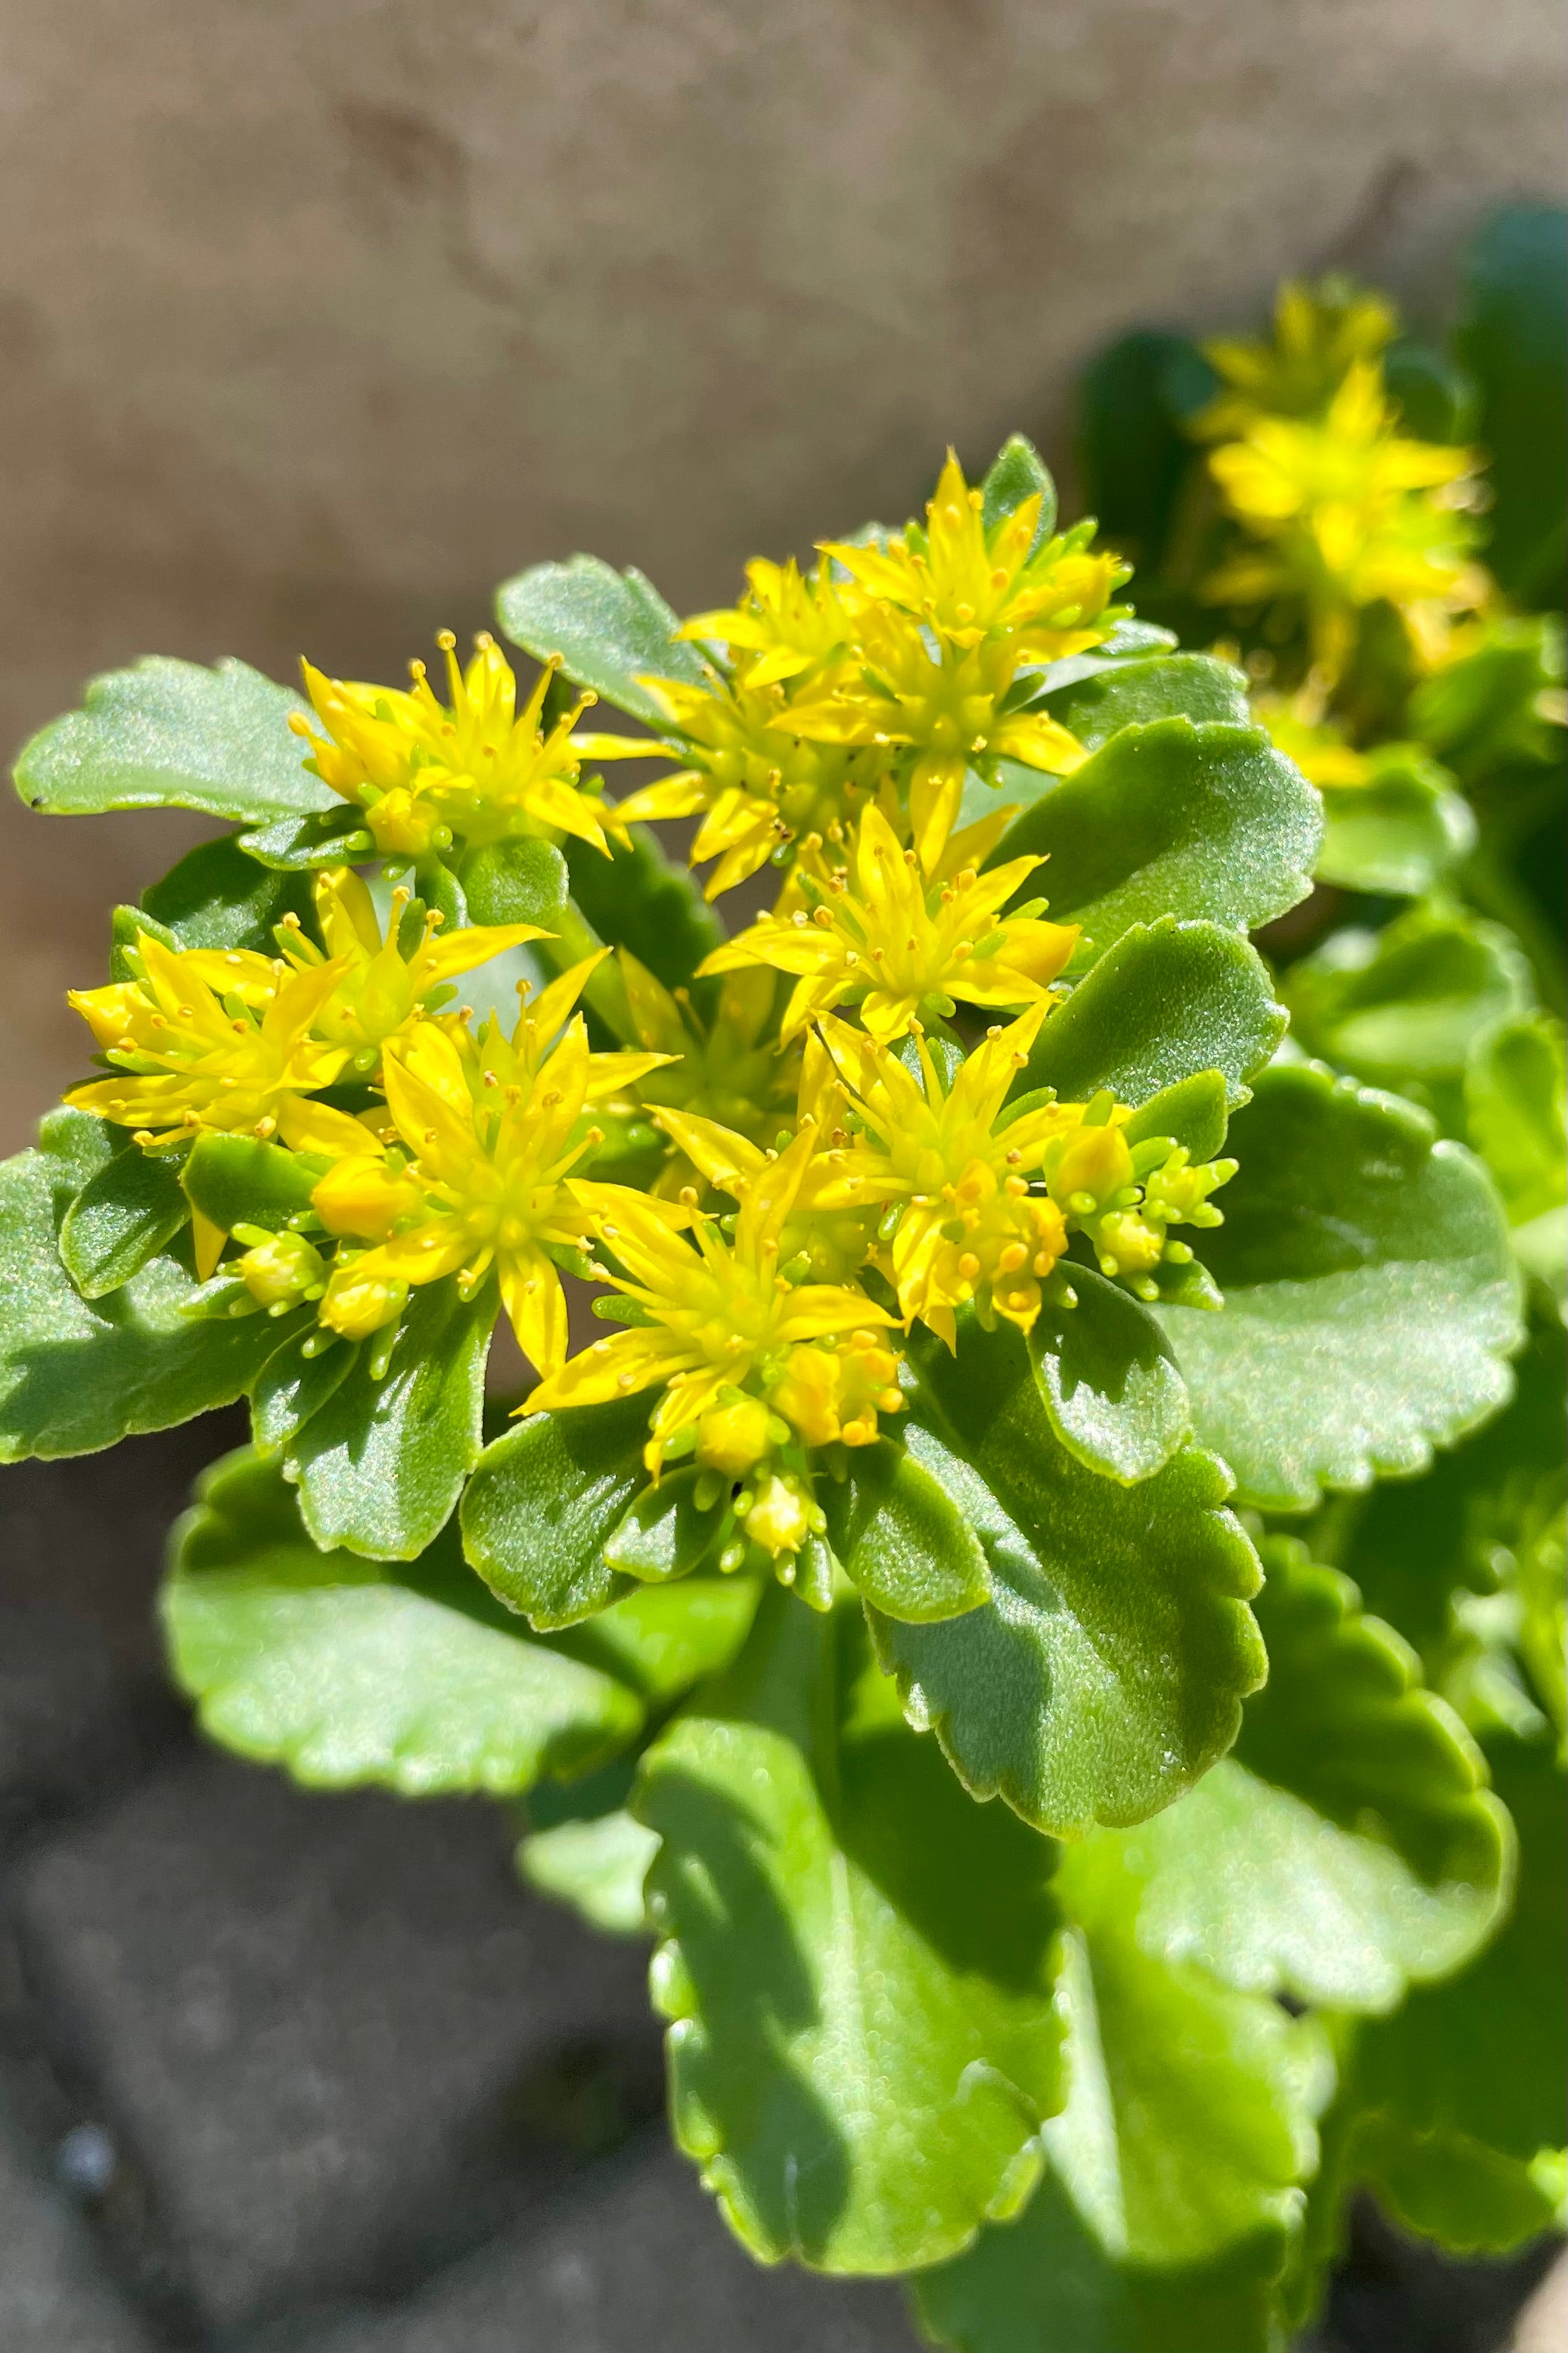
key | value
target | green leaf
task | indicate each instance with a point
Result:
(348, 1671)
(1482, 711)
(1407, 1004)
(1107, 1669)
(1168, 1001)
(173, 734)
(238, 1180)
(1371, 1302)
(1047, 2283)
(663, 1639)
(1136, 693)
(78, 1375)
(514, 883)
(1515, 1083)
(544, 1501)
(1513, 340)
(328, 837)
(1208, 822)
(856, 1961)
(292, 1386)
(1017, 472)
(217, 897)
(381, 1464)
(1461, 2093)
(639, 899)
(1194, 1113)
(598, 1866)
(610, 629)
(903, 1540)
(122, 1217)
(1133, 449)
(1399, 832)
(664, 1532)
(1348, 1848)
(1110, 1382)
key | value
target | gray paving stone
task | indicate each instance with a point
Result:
(53, 2297)
(329, 2032)
(634, 2259)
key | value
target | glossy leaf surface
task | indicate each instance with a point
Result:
(544, 1501)
(1110, 1382)
(609, 627)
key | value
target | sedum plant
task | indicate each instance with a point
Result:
(963, 1331)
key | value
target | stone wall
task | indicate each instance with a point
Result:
(315, 321)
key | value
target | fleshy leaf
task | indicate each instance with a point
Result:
(381, 1464)
(348, 1672)
(639, 899)
(1371, 1302)
(78, 1375)
(1348, 1847)
(664, 1532)
(902, 1538)
(1136, 693)
(173, 734)
(1511, 341)
(1110, 1382)
(1204, 822)
(1514, 1102)
(1399, 832)
(292, 1386)
(1107, 1669)
(122, 1217)
(609, 627)
(1016, 472)
(857, 1964)
(217, 897)
(1169, 1000)
(597, 1865)
(238, 1180)
(514, 883)
(663, 1639)
(543, 1501)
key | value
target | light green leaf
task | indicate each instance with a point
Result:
(1017, 472)
(380, 1464)
(609, 627)
(78, 1375)
(1107, 1669)
(663, 1639)
(1348, 1847)
(1136, 693)
(350, 1671)
(857, 1962)
(1371, 1302)
(902, 1538)
(1515, 1084)
(514, 883)
(1399, 832)
(292, 1386)
(216, 897)
(1206, 822)
(122, 1217)
(1484, 710)
(544, 1501)
(1168, 1001)
(238, 1180)
(1407, 1004)
(664, 1532)
(1110, 1382)
(293, 845)
(598, 1866)
(172, 735)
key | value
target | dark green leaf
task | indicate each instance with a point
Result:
(663, 1639)
(1136, 693)
(1194, 1113)
(1437, 400)
(1133, 450)
(172, 735)
(514, 883)
(1514, 342)
(1173, 820)
(348, 1672)
(639, 899)
(1409, 1003)
(291, 1386)
(122, 1217)
(1110, 1382)
(903, 1540)
(857, 1961)
(291, 845)
(1168, 1001)
(217, 897)
(663, 1534)
(236, 1180)
(610, 629)
(78, 1375)
(1348, 1847)
(543, 1501)
(1399, 832)
(1018, 472)
(1107, 1669)
(127, 926)
(381, 1464)
(1482, 711)
(1370, 1301)
(1514, 1104)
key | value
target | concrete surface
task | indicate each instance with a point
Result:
(315, 322)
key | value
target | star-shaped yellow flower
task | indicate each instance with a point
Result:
(886, 939)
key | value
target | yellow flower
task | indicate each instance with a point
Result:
(382, 984)
(490, 1128)
(787, 622)
(429, 777)
(727, 1332)
(205, 1038)
(1319, 333)
(1352, 511)
(892, 943)
(727, 1070)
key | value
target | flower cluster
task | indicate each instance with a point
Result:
(826, 1146)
